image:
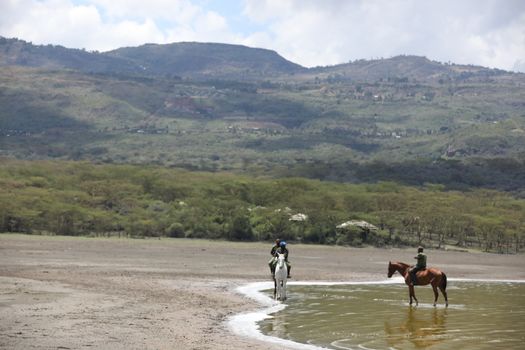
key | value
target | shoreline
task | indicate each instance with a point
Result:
(68, 292)
(245, 324)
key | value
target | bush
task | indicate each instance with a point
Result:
(175, 230)
(241, 229)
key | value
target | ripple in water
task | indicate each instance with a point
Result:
(481, 315)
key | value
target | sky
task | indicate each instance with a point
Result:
(489, 33)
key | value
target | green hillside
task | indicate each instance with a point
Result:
(247, 110)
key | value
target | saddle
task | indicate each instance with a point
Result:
(413, 276)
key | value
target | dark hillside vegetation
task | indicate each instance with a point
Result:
(503, 174)
(78, 198)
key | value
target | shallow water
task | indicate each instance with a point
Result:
(481, 315)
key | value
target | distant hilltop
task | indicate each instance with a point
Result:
(223, 61)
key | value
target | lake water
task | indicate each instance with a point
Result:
(481, 315)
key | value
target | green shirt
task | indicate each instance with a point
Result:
(421, 260)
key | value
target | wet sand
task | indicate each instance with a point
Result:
(95, 293)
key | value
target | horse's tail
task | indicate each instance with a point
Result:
(444, 282)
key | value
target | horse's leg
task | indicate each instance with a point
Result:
(443, 288)
(280, 290)
(436, 295)
(412, 295)
(444, 292)
(284, 290)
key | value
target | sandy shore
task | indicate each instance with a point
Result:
(85, 293)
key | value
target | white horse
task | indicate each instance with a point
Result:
(279, 280)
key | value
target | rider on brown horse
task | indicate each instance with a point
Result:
(434, 277)
(420, 265)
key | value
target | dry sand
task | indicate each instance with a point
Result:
(86, 293)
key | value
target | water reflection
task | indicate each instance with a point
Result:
(278, 325)
(422, 328)
(482, 316)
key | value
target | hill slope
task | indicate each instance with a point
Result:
(405, 118)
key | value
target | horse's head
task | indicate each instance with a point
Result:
(280, 259)
(391, 269)
(397, 266)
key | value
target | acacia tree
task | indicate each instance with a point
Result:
(488, 230)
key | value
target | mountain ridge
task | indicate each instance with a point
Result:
(21, 53)
(197, 60)
(206, 59)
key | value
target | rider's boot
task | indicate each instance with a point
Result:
(289, 268)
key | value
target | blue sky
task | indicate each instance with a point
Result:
(232, 10)
(309, 32)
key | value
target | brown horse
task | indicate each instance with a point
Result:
(431, 276)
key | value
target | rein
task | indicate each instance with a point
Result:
(401, 268)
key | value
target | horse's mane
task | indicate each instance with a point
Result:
(402, 264)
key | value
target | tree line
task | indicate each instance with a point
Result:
(81, 198)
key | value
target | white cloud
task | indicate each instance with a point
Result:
(177, 11)
(104, 25)
(54, 21)
(485, 32)
(519, 66)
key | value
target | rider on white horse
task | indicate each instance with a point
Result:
(282, 250)
(279, 280)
